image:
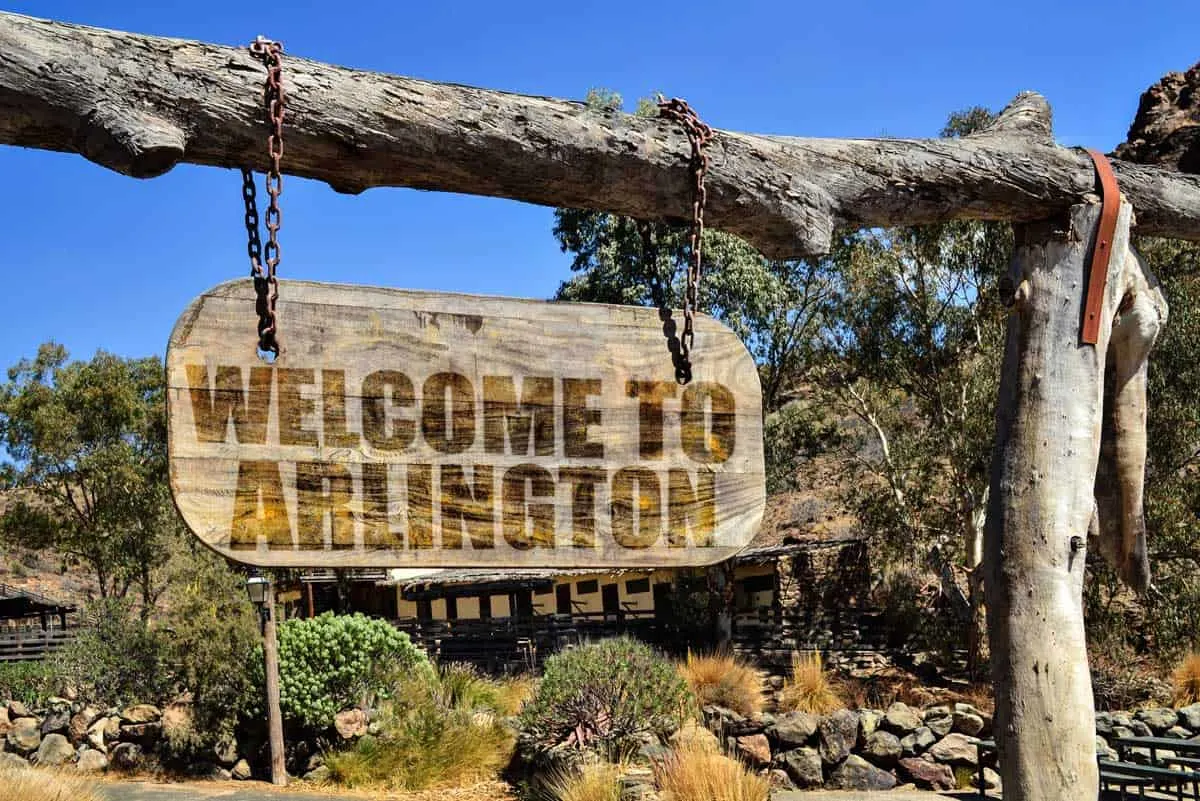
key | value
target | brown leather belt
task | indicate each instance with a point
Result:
(1110, 205)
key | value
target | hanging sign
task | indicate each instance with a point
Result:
(401, 429)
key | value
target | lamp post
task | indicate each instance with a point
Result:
(262, 594)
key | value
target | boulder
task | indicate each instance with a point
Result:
(1121, 731)
(241, 770)
(226, 750)
(1177, 733)
(968, 709)
(1104, 723)
(857, 773)
(882, 748)
(10, 761)
(955, 749)
(25, 735)
(350, 724)
(17, 709)
(991, 779)
(837, 734)
(927, 774)
(56, 722)
(95, 735)
(54, 750)
(940, 720)
(91, 761)
(5, 723)
(918, 741)
(144, 734)
(1189, 717)
(1159, 719)
(141, 713)
(81, 721)
(868, 723)
(1102, 749)
(778, 779)
(112, 728)
(754, 749)
(901, 719)
(126, 756)
(1121, 719)
(968, 724)
(803, 766)
(1140, 728)
(793, 729)
(317, 774)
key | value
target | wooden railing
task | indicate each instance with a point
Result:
(27, 644)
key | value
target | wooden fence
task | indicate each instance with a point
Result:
(31, 643)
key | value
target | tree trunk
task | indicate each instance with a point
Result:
(1040, 504)
(141, 104)
(274, 713)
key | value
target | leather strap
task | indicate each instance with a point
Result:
(1110, 198)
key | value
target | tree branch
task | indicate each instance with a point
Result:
(140, 104)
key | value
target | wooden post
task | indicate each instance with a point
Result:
(1048, 424)
(274, 715)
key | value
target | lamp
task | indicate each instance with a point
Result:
(256, 588)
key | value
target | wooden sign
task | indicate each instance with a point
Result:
(402, 429)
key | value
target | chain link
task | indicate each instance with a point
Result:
(699, 135)
(266, 285)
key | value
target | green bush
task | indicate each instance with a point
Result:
(116, 657)
(332, 662)
(603, 696)
(28, 682)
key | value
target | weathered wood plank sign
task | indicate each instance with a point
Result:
(406, 428)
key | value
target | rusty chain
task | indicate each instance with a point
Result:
(266, 285)
(699, 135)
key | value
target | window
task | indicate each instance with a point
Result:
(587, 587)
(758, 583)
(637, 586)
(545, 590)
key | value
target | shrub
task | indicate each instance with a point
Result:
(1123, 679)
(602, 696)
(425, 741)
(28, 784)
(29, 682)
(1185, 680)
(693, 773)
(513, 692)
(808, 688)
(333, 662)
(463, 687)
(593, 781)
(724, 680)
(116, 657)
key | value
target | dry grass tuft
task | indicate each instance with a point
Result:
(724, 680)
(809, 688)
(1185, 680)
(594, 781)
(29, 784)
(693, 773)
(513, 692)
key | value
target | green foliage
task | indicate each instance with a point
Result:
(433, 734)
(28, 682)
(333, 662)
(87, 443)
(116, 658)
(603, 695)
(793, 435)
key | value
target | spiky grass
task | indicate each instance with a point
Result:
(808, 688)
(691, 772)
(724, 680)
(593, 781)
(29, 784)
(1185, 680)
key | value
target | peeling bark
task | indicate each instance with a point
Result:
(141, 104)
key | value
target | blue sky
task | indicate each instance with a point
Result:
(96, 260)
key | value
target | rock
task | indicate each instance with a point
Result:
(317, 774)
(1177, 733)
(857, 773)
(779, 780)
(1121, 731)
(1140, 728)
(144, 734)
(56, 723)
(837, 734)
(754, 749)
(226, 750)
(209, 771)
(940, 720)
(901, 719)
(141, 713)
(126, 756)
(955, 749)
(16, 709)
(54, 750)
(968, 724)
(928, 775)
(80, 723)
(804, 767)
(1166, 129)
(868, 723)
(968, 709)
(350, 724)
(241, 770)
(25, 735)
(646, 752)
(112, 728)
(5, 723)
(1189, 717)
(793, 729)
(637, 784)
(95, 734)
(91, 761)
(991, 779)
(1121, 719)
(694, 733)
(1104, 723)
(882, 748)
(1158, 719)
(918, 741)
(10, 761)
(1102, 749)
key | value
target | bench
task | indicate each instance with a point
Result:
(1156, 775)
(1124, 781)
